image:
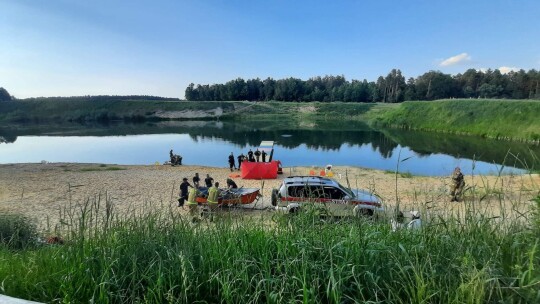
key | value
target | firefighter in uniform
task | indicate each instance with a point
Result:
(213, 193)
(458, 184)
(192, 204)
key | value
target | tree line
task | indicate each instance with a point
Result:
(4, 96)
(392, 88)
(104, 98)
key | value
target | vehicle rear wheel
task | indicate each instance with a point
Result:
(274, 197)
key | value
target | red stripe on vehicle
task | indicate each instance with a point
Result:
(325, 200)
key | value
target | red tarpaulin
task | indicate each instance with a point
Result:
(259, 170)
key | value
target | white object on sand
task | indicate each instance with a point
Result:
(10, 300)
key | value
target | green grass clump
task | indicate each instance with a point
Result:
(402, 174)
(157, 257)
(406, 174)
(17, 232)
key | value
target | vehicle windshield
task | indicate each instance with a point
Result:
(347, 190)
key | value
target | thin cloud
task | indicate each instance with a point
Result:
(463, 57)
(503, 69)
(506, 70)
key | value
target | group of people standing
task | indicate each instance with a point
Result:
(191, 194)
(257, 156)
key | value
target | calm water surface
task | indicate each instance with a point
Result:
(209, 144)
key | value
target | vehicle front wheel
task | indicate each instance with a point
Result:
(363, 212)
(294, 210)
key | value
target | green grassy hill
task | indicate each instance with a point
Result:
(102, 111)
(500, 119)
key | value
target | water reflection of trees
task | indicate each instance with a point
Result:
(312, 139)
(515, 154)
(325, 135)
(6, 139)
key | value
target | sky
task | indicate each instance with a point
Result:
(159, 47)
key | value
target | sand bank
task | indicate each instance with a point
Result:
(41, 191)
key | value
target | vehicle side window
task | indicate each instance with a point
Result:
(295, 191)
(333, 193)
(314, 192)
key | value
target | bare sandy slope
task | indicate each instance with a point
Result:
(41, 191)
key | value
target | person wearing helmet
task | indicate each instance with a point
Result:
(213, 194)
(193, 205)
(458, 184)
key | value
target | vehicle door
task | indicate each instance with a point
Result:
(336, 200)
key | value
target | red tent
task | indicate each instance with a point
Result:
(261, 170)
(253, 170)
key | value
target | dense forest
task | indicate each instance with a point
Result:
(392, 88)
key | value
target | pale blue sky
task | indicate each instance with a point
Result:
(66, 47)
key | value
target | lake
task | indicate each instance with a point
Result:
(314, 144)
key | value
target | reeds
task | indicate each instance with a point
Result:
(156, 255)
(159, 257)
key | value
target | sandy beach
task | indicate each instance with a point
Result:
(41, 191)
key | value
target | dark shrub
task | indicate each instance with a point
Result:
(17, 231)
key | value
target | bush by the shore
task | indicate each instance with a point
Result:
(17, 231)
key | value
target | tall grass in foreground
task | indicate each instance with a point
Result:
(159, 257)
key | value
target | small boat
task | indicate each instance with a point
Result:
(231, 196)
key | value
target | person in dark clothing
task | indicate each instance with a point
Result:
(208, 181)
(196, 180)
(240, 160)
(250, 156)
(263, 154)
(231, 162)
(175, 159)
(183, 191)
(231, 184)
(257, 155)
